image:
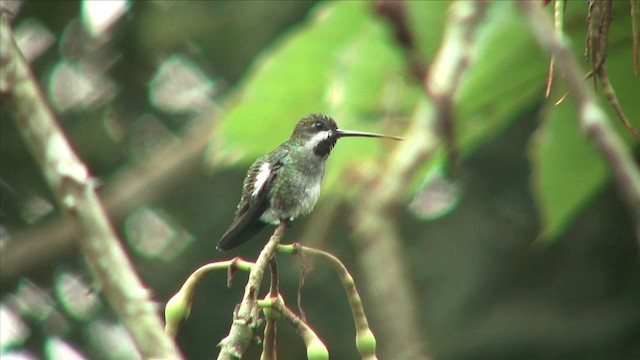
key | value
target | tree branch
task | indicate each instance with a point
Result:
(39, 245)
(71, 183)
(591, 117)
(241, 332)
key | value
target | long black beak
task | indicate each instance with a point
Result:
(345, 133)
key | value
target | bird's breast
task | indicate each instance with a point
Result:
(295, 193)
(312, 193)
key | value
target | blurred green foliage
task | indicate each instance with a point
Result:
(484, 292)
(359, 76)
(568, 169)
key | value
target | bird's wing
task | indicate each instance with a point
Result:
(254, 202)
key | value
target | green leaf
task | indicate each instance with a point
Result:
(567, 169)
(506, 79)
(427, 20)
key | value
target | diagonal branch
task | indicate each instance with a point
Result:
(591, 117)
(37, 246)
(71, 183)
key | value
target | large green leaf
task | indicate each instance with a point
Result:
(507, 78)
(568, 169)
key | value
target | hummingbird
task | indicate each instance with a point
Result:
(285, 183)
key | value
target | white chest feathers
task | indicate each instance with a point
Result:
(313, 193)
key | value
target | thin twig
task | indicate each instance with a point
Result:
(558, 16)
(599, 22)
(270, 329)
(610, 94)
(315, 347)
(365, 340)
(241, 333)
(591, 117)
(70, 181)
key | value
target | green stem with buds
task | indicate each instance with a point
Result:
(365, 340)
(178, 307)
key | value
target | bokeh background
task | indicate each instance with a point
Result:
(169, 102)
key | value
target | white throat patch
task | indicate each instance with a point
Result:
(317, 139)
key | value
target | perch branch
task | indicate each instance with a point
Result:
(72, 185)
(241, 332)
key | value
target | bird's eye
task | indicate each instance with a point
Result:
(318, 125)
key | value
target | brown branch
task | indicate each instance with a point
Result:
(241, 332)
(610, 94)
(598, 40)
(395, 12)
(375, 218)
(74, 189)
(453, 59)
(598, 37)
(591, 117)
